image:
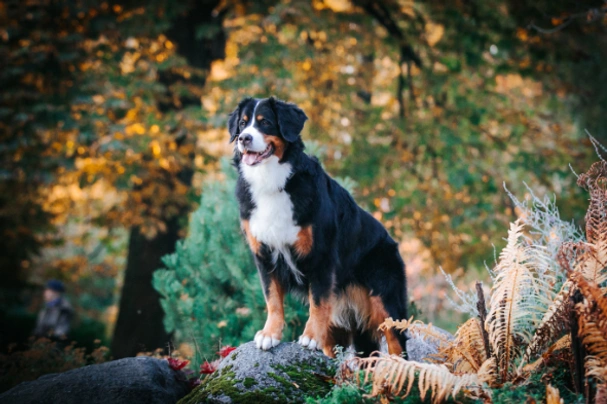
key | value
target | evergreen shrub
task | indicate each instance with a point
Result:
(211, 293)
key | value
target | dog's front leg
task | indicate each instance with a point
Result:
(316, 333)
(271, 334)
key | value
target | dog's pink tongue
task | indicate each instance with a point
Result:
(250, 158)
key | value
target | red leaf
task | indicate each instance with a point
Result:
(225, 351)
(177, 364)
(207, 368)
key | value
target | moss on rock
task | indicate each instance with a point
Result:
(287, 373)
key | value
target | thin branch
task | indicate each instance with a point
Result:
(410, 81)
(482, 315)
(597, 145)
(399, 90)
(382, 14)
(579, 353)
(592, 15)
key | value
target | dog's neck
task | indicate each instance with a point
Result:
(269, 177)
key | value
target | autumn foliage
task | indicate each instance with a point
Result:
(540, 317)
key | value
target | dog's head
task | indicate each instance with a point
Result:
(264, 128)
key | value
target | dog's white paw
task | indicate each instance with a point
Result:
(309, 343)
(265, 342)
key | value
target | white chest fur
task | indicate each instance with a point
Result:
(272, 220)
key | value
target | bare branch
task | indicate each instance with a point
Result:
(590, 16)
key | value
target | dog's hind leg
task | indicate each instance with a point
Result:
(380, 310)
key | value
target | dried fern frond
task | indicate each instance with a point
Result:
(596, 368)
(549, 231)
(518, 300)
(428, 331)
(596, 295)
(592, 329)
(488, 372)
(468, 298)
(399, 325)
(396, 375)
(466, 353)
(553, 396)
(601, 393)
(563, 343)
(554, 323)
(592, 262)
(417, 329)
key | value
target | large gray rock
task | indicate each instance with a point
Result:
(130, 380)
(285, 373)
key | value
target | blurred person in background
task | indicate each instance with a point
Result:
(55, 317)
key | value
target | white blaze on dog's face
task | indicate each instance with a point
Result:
(258, 143)
(264, 128)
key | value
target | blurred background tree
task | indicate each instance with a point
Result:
(113, 114)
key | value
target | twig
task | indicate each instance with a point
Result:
(576, 344)
(597, 145)
(399, 90)
(382, 14)
(594, 14)
(482, 315)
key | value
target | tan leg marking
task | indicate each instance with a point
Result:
(272, 332)
(254, 244)
(304, 242)
(316, 333)
(378, 316)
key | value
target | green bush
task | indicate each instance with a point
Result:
(211, 293)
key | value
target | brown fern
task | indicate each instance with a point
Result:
(553, 396)
(592, 330)
(593, 260)
(466, 353)
(595, 181)
(417, 329)
(596, 296)
(514, 302)
(554, 323)
(396, 375)
(563, 343)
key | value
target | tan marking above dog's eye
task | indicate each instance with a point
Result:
(245, 118)
(259, 117)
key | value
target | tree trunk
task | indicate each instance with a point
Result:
(139, 326)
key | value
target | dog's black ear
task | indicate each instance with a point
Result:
(290, 118)
(233, 119)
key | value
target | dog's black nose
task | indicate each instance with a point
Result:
(245, 139)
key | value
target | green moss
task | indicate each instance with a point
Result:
(249, 382)
(256, 365)
(535, 388)
(294, 383)
(306, 380)
(224, 383)
(342, 394)
(234, 356)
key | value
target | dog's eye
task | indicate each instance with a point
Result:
(265, 122)
(243, 123)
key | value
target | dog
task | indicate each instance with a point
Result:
(309, 237)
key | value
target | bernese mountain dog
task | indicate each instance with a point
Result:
(309, 237)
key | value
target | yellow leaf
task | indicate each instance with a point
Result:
(434, 33)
